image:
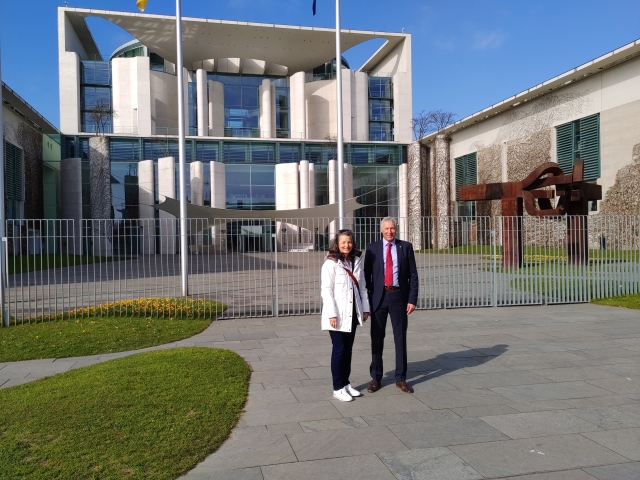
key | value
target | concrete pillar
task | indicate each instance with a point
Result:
(185, 96)
(203, 103)
(218, 200)
(167, 188)
(267, 109)
(442, 191)
(71, 205)
(287, 197)
(216, 109)
(348, 85)
(100, 195)
(304, 184)
(312, 186)
(146, 195)
(69, 90)
(196, 170)
(332, 180)
(360, 108)
(402, 203)
(418, 200)
(298, 110)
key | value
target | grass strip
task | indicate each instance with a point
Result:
(150, 416)
(92, 336)
(625, 301)
(36, 262)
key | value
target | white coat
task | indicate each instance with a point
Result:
(337, 290)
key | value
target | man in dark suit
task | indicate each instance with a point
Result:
(392, 283)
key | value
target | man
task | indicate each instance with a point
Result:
(392, 283)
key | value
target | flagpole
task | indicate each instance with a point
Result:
(3, 240)
(340, 137)
(181, 156)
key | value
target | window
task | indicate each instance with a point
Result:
(250, 187)
(13, 181)
(466, 174)
(580, 139)
(380, 109)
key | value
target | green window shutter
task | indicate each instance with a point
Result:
(13, 172)
(466, 170)
(564, 146)
(590, 146)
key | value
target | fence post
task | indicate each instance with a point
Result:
(494, 258)
(274, 279)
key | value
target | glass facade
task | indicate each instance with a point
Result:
(380, 109)
(250, 187)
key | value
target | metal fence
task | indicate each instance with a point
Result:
(261, 267)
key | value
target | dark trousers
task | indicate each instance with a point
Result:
(342, 353)
(391, 305)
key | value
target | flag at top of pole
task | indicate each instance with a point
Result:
(313, 7)
(141, 4)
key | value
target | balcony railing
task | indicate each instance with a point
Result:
(381, 117)
(381, 92)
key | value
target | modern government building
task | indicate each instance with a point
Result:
(260, 117)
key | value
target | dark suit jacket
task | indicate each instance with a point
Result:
(407, 272)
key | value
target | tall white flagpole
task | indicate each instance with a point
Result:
(184, 282)
(3, 240)
(340, 139)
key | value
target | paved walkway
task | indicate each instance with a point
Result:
(499, 393)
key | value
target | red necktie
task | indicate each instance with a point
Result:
(388, 269)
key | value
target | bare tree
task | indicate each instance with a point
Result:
(331, 142)
(431, 121)
(101, 114)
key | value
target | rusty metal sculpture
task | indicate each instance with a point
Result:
(573, 195)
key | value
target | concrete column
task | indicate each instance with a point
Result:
(203, 103)
(304, 184)
(197, 198)
(360, 108)
(332, 180)
(218, 200)
(418, 194)
(312, 186)
(287, 197)
(146, 195)
(185, 96)
(267, 109)
(100, 188)
(348, 84)
(402, 203)
(69, 89)
(71, 205)
(442, 190)
(402, 107)
(167, 188)
(298, 110)
(216, 109)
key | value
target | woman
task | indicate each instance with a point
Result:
(344, 305)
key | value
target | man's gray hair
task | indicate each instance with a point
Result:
(387, 220)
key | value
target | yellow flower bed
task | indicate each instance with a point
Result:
(142, 307)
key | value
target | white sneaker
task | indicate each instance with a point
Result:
(342, 395)
(352, 391)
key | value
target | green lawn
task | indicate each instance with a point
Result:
(625, 301)
(149, 416)
(30, 263)
(92, 336)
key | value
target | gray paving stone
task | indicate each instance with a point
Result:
(609, 418)
(487, 380)
(275, 396)
(625, 471)
(444, 433)
(619, 385)
(279, 376)
(313, 393)
(539, 424)
(247, 452)
(433, 416)
(613, 400)
(550, 391)
(289, 384)
(572, 374)
(255, 335)
(388, 419)
(293, 412)
(371, 404)
(255, 431)
(365, 466)
(425, 382)
(564, 475)
(343, 443)
(625, 442)
(318, 372)
(241, 474)
(519, 457)
(428, 464)
(284, 429)
(278, 364)
(461, 398)
(483, 411)
(525, 407)
(333, 424)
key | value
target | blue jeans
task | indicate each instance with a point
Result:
(341, 354)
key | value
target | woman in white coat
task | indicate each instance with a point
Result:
(345, 305)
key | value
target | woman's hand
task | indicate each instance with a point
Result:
(365, 317)
(333, 321)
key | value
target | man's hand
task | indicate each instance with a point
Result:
(333, 321)
(365, 316)
(410, 308)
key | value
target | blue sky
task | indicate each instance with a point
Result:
(467, 55)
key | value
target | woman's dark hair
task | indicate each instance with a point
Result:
(334, 249)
